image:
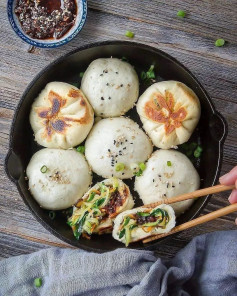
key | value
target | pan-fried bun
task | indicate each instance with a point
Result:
(111, 86)
(61, 116)
(113, 142)
(169, 111)
(58, 178)
(168, 173)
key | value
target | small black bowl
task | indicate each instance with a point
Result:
(210, 132)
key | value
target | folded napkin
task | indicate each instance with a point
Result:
(206, 266)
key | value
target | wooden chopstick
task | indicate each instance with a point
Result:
(190, 195)
(211, 216)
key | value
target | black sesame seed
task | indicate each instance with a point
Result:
(112, 175)
(105, 71)
(164, 194)
(122, 173)
(121, 85)
(116, 72)
(114, 142)
(109, 150)
(167, 185)
(107, 84)
(109, 98)
(124, 148)
(102, 98)
(159, 176)
(153, 180)
(131, 143)
(101, 113)
(126, 140)
(173, 186)
(101, 74)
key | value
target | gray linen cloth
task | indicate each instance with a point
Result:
(206, 266)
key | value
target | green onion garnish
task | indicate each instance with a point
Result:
(127, 219)
(38, 282)
(198, 151)
(119, 167)
(52, 215)
(139, 173)
(81, 74)
(181, 13)
(169, 163)
(129, 34)
(143, 214)
(91, 196)
(122, 233)
(150, 74)
(99, 202)
(219, 42)
(81, 149)
(142, 166)
(43, 169)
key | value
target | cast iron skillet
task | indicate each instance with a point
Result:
(210, 133)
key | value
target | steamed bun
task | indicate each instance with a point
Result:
(114, 141)
(61, 116)
(169, 111)
(160, 181)
(111, 86)
(58, 178)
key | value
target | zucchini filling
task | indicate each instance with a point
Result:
(147, 220)
(98, 206)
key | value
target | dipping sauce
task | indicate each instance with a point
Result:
(46, 19)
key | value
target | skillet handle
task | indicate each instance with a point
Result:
(218, 127)
(13, 166)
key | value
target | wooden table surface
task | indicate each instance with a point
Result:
(190, 40)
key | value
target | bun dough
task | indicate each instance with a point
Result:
(61, 116)
(169, 111)
(138, 233)
(160, 181)
(66, 180)
(116, 140)
(111, 86)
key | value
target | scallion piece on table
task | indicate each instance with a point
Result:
(181, 13)
(129, 34)
(38, 282)
(219, 42)
(43, 169)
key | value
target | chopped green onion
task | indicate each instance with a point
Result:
(169, 163)
(143, 214)
(181, 13)
(119, 167)
(122, 233)
(38, 282)
(80, 224)
(198, 151)
(81, 149)
(127, 219)
(150, 74)
(81, 74)
(129, 34)
(139, 173)
(99, 202)
(52, 215)
(91, 196)
(219, 42)
(43, 169)
(133, 226)
(142, 166)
